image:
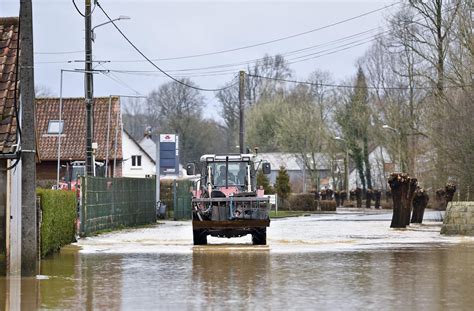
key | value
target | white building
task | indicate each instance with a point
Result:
(295, 168)
(136, 160)
(380, 165)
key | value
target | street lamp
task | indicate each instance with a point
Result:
(121, 17)
(346, 165)
(387, 127)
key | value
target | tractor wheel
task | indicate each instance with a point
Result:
(259, 237)
(199, 237)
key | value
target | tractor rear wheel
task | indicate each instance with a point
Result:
(259, 236)
(199, 237)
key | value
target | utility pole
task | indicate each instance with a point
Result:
(29, 226)
(89, 90)
(241, 110)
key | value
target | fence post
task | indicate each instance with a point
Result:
(82, 205)
(175, 200)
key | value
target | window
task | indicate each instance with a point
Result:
(136, 161)
(55, 127)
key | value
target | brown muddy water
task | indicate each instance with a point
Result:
(158, 268)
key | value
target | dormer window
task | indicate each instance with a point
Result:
(55, 127)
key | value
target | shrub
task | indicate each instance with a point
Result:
(262, 180)
(327, 205)
(282, 183)
(58, 219)
(302, 202)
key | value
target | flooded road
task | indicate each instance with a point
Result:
(342, 261)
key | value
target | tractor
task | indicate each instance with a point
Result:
(226, 201)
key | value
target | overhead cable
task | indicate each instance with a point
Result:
(154, 65)
(280, 39)
(352, 86)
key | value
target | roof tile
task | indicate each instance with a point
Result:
(8, 59)
(73, 140)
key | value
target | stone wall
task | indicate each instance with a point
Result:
(459, 219)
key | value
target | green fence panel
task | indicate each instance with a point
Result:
(109, 203)
(182, 196)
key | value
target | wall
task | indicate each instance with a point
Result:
(130, 148)
(459, 219)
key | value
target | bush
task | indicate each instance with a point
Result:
(282, 183)
(58, 219)
(302, 202)
(262, 180)
(327, 205)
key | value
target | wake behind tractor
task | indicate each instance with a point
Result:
(226, 201)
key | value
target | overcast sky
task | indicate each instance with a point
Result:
(164, 29)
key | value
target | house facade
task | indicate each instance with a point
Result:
(136, 160)
(61, 133)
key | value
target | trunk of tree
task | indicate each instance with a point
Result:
(337, 198)
(360, 167)
(368, 176)
(403, 189)
(358, 194)
(396, 190)
(377, 195)
(368, 198)
(420, 201)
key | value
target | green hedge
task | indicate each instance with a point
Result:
(58, 218)
(303, 202)
(327, 205)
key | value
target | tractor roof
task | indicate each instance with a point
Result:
(232, 157)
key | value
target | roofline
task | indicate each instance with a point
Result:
(81, 97)
(136, 143)
(10, 20)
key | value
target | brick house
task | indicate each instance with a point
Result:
(71, 126)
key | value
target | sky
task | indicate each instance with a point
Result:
(170, 29)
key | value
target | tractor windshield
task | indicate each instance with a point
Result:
(235, 173)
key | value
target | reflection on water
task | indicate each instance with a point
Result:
(246, 277)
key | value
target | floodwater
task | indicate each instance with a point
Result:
(341, 261)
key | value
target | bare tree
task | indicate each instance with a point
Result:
(273, 67)
(176, 108)
(229, 101)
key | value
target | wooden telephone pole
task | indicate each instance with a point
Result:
(241, 111)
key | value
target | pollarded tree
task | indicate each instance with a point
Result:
(282, 183)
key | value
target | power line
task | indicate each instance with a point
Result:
(153, 64)
(251, 61)
(58, 53)
(227, 71)
(351, 86)
(79, 11)
(278, 39)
